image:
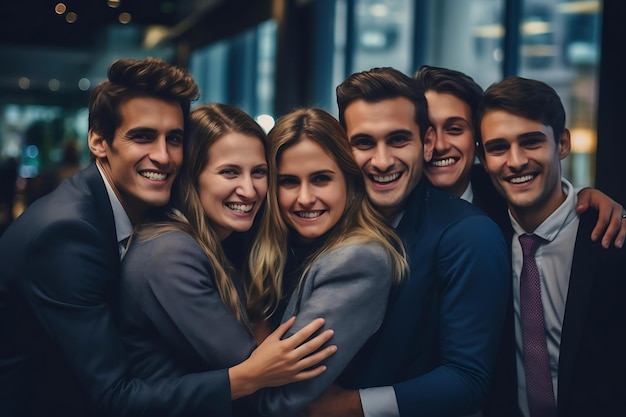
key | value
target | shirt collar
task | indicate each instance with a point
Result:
(468, 194)
(123, 225)
(561, 217)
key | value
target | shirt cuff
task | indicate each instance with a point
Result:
(379, 402)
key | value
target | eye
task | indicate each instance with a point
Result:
(288, 182)
(533, 143)
(398, 140)
(455, 130)
(229, 172)
(259, 172)
(175, 139)
(363, 143)
(321, 178)
(496, 148)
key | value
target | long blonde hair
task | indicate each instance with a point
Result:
(360, 222)
(207, 124)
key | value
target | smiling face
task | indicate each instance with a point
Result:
(454, 150)
(523, 160)
(311, 189)
(386, 145)
(233, 184)
(145, 155)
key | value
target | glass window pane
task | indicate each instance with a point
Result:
(466, 35)
(560, 45)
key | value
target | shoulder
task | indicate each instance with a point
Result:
(169, 246)
(354, 258)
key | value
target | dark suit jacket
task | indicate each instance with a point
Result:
(438, 341)
(60, 350)
(592, 360)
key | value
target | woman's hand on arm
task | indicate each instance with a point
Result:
(610, 220)
(279, 361)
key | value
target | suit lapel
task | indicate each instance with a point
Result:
(102, 204)
(576, 307)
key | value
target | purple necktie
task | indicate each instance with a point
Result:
(539, 390)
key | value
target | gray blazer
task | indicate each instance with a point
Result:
(349, 288)
(173, 319)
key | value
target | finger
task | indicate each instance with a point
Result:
(614, 226)
(314, 359)
(309, 373)
(621, 236)
(314, 344)
(605, 217)
(305, 333)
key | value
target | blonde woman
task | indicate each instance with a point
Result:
(182, 305)
(322, 250)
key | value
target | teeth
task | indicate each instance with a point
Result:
(240, 208)
(310, 214)
(519, 180)
(386, 178)
(157, 176)
(443, 162)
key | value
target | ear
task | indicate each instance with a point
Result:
(565, 144)
(429, 144)
(97, 145)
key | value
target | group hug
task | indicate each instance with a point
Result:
(364, 265)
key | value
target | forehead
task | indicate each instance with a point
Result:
(500, 124)
(152, 110)
(305, 156)
(446, 105)
(379, 118)
(237, 146)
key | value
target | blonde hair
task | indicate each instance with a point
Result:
(207, 124)
(360, 222)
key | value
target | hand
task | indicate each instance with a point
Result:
(610, 220)
(335, 402)
(279, 361)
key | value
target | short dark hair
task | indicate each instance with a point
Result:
(379, 84)
(444, 80)
(129, 78)
(531, 99)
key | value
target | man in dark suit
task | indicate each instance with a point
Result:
(60, 352)
(436, 347)
(563, 346)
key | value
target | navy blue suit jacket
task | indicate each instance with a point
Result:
(440, 335)
(60, 350)
(592, 360)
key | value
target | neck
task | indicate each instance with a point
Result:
(529, 218)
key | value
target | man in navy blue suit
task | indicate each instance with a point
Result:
(436, 348)
(570, 362)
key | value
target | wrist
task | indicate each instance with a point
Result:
(241, 381)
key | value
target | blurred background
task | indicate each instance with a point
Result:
(268, 56)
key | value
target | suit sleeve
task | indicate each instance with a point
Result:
(73, 275)
(474, 279)
(172, 281)
(349, 288)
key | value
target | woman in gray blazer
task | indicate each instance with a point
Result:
(322, 250)
(182, 307)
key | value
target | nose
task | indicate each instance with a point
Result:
(382, 159)
(441, 145)
(159, 153)
(306, 197)
(245, 188)
(517, 158)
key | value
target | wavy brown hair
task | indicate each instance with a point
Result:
(360, 222)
